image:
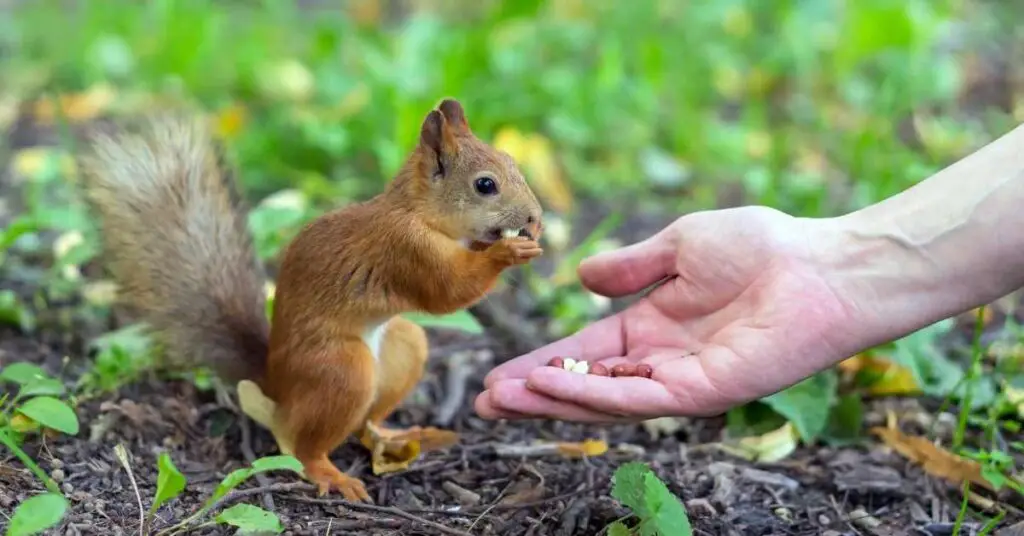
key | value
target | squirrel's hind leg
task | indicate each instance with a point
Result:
(322, 410)
(403, 359)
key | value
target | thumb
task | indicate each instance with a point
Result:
(630, 269)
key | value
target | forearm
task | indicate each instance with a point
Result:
(952, 242)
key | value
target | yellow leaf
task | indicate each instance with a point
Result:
(935, 460)
(588, 448)
(76, 107)
(261, 409)
(534, 155)
(31, 162)
(22, 424)
(886, 377)
(397, 459)
(770, 447)
(394, 450)
(230, 121)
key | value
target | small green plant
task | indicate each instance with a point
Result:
(33, 408)
(244, 517)
(660, 512)
(36, 514)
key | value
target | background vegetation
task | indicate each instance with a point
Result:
(620, 112)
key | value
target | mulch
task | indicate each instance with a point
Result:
(475, 487)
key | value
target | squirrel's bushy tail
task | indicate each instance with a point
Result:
(174, 238)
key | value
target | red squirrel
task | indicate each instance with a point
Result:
(337, 359)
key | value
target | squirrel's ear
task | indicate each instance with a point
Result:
(436, 138)
(454, 114)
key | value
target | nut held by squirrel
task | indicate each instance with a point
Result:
(337, 359)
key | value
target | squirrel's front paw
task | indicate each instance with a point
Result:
(510, 251)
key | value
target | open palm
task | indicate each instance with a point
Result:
(742, 310)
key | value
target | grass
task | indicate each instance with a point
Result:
(815, 108)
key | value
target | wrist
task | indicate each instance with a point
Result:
(895, 275)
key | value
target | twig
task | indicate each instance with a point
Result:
(122, 456)
(387, 510)
(250, 456)
(459, 372)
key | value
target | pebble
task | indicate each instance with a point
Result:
(67, 487)
(57, 475)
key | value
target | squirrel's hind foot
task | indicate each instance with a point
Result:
(329, 478)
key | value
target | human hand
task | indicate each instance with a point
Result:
(746, 308)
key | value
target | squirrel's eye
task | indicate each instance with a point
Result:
(486, 186)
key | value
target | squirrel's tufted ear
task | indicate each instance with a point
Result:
(438, 142)
(454, 114)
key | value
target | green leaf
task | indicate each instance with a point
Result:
(919, 352)
(845, 421)
(37, 513)
(628, 487)
(668, 516)
(42, 386)
(636, 486)
(52, 413)
(461, 320)
(277, 463)
(236, 477)
(618, 529)
(14, 311)
(250, 519)
(807, 404)
(229, 483)
(23, 373)
(169, 481)
(22, 225)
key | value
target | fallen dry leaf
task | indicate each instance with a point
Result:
(886, 377)
(395, 450)
(935, 460)
(524, 491)
(662, 426)
(588, 448)
(533, 153)
(770, 447)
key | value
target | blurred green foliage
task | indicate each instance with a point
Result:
(793, 100)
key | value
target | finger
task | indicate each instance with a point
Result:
(511, 399)
(629, 269)
(633, 397)
(600, 340)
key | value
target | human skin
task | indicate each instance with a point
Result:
(741, 303)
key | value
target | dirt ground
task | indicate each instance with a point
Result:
(476, 487)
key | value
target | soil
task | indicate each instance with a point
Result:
(476, 487)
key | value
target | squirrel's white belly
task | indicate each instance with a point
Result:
(373, 337)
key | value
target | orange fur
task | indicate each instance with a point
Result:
(430, 242)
